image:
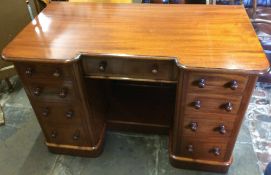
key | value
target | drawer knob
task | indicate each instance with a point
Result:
(45, 112)
(234, 84)
(197, 104)
(102, 66)
(76, 135)
(194, 126)
(56, 73)
(54, 134)
(37, 91)
(190, 148)
(154, 71)
(69, 114)
(62, 93)
(222, 129)
(29, 71)
(216, 151)
(201, 83)
(228, 106)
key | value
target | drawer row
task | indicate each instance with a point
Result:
(167, 70)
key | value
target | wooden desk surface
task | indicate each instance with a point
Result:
(198, 36)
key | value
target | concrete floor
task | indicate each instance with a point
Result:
(23, 151)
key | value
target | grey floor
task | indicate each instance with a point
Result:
(22, 149)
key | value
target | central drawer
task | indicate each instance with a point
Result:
(127, 68)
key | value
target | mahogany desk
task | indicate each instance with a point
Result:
(184, 70)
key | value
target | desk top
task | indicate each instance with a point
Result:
(197, 36)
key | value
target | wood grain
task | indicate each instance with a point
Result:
(197, 36)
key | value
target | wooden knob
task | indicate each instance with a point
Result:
(102, 66)
(228, 106)
(234, 84)
(37, 91)
(69, 114)
(154, 71)
(62, 93)
(194, 126)
(216, 151)
(222, 129)
(28, 71)
(56, 73)
(190, 148)
(201, 83)
(197, 104)
(54, 134)
(45, 112)
(76, 135)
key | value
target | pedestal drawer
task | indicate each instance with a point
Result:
(66, 135)
(212, 103)
(32, 72)
(196, 127)
(58, 113)
(216, 83)
(52, 91)
(204, 149)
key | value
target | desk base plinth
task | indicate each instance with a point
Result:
(85, 151)
(197, 164)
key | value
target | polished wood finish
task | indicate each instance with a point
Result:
(196, 36)
(56, 94)
(221, 127)
(143, 69)
(183, 70)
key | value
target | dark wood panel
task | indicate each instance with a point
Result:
(141, 104)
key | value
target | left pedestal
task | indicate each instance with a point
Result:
(58, 96)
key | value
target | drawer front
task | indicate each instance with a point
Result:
(202, 127)
(31, 72)
(57, 113)
(204, 150)
(220, 104)
(66, 135)
(130, 68)
(216, 83)
(52, 91)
